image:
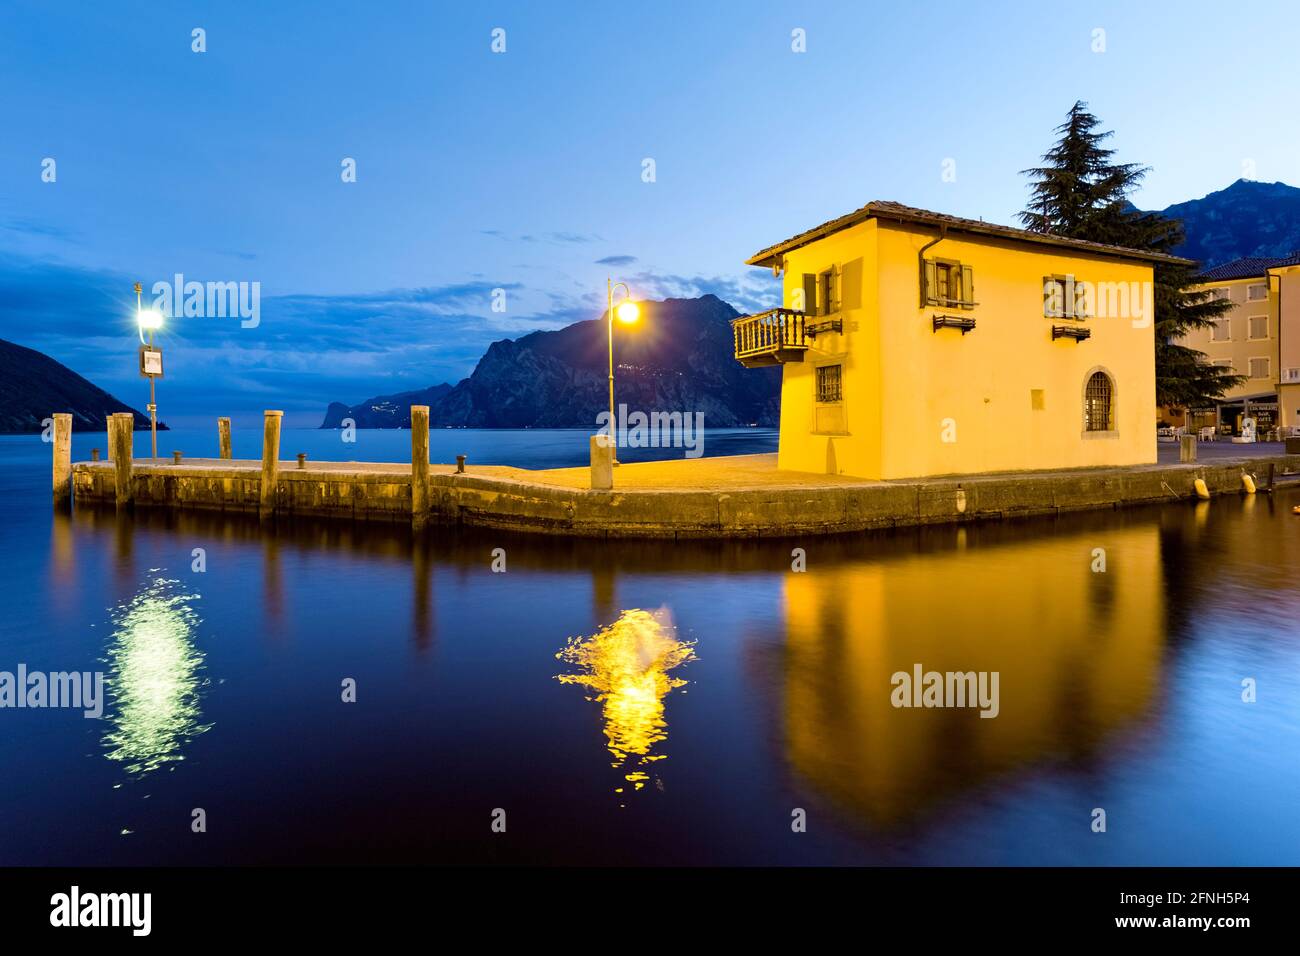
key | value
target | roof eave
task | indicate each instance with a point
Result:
(773, 254)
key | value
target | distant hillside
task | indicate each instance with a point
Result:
(386, 411)
(1246, 219)
(678, 357)
(33, 387)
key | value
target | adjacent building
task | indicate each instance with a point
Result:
(1258, 338)
(914, 343)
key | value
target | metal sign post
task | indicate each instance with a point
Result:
(151, 367)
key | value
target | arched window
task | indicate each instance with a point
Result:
(1099, 404)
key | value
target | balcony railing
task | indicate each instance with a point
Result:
(771, 337)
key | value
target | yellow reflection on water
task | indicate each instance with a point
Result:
(627, 665)
(1078, 653)
(153, 679)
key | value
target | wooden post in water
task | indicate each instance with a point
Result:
(419, 466)
(270, 461)
(223, 437)
(122, 435)
(62, 458)
(108, 436)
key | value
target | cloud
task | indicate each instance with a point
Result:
(555, 238)
(30, 227)
(308, 350)
(749, 292)
(616, 261)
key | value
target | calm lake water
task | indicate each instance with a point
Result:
(645, 702)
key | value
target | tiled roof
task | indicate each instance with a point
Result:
(1249, 268)
(882, 209)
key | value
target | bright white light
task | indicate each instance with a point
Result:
(149, 319)
(628, 312)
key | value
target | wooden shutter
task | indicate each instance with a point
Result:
(1082, 307)
(928, 283)
(967, 287)
(834, 305)
(810, 293)
(1049, 293)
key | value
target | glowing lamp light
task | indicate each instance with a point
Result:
(149, 319)
(628, 312)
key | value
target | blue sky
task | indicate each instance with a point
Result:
(523, 170)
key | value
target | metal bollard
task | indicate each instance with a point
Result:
(176, 458)
(94, 454)
(460, 464)
(302, 459)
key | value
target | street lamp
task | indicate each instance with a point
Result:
(627, 313)
(149, 320)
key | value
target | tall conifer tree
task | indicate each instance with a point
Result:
(1080, 193)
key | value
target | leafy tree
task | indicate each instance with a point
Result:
(1079, 193)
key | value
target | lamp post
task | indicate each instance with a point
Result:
(627, 312)
(150, 361)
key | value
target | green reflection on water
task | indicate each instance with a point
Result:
(153, 679)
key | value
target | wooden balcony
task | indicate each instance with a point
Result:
(771, 338)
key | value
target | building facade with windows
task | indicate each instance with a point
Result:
(1259, 338)
(914, 343)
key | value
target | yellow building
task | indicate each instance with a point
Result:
(915, 343)
(1259, 338)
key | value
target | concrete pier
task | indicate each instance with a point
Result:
(744, 496)
(740, 496)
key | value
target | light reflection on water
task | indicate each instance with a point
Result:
(154, 680)
(627, 665)
(1120, 689)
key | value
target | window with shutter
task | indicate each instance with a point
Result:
(947, 284)
(1065, 298)
(943, 282)
(1053, 297)
(1259, 326)
(826, 293)
(1259, 368)
(1082, 300)
(929, 282)
(810, 293)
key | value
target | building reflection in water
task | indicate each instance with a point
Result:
(153, 679)
(627, 667)
(1078, 652)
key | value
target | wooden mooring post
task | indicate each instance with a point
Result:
(121, 437)
(62, 458)
(223, 438)
(419, 466)
(270, 461)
